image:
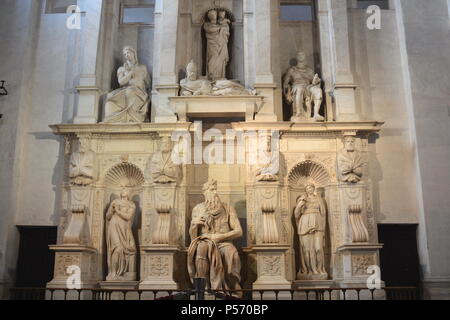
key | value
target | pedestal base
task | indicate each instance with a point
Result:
(312, 284)
(119, 285)
(313, 290)
(157, 267)
(271, 272)
(311, 277)
(361, 271)
(208, 107)
(75, 267)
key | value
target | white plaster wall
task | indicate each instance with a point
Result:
(18, 22)
(296, 36)
(427, 48)
(139, 37)
(52, 102)
(377, 66)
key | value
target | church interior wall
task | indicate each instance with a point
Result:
(378, 72)
(425, 43)
(43, 63)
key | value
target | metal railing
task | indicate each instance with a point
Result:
(393, 293)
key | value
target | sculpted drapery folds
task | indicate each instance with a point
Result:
(310, 216)
(120, 242)
(161, 168)
(302, 89)
(350, 162)
(130, 102)
(81, 169)
(217, 31)
(212, 254)
(193, 85)
(268, 171)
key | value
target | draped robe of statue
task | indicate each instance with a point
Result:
(198, 87)
(81, 170)
(302, 89)
(193, 85)
(222, 256)
(217, 37)
(130, 102)
(310, 215)
(120, 242)
(350, 166)
(269, 172)
(162, 169)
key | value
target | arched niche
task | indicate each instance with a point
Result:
(231, 41)
(129, 176)
(306, 172)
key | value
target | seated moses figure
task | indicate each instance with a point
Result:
(130, 102)
(212, 255)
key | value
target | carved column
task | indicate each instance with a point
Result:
(335, 51)
(88, 86)
(358, 251)
(271, 266)
(75, 258)
(158, 258)
(261, 34)
(165, 79)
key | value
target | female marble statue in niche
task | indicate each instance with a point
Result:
(217, 31)
(120, 244)
(310, 215)
(130, 102)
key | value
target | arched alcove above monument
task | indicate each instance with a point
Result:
(192, 38)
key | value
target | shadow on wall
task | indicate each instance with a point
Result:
(57, 174)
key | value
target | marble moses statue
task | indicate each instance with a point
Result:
(212, 255)
(310, 216)
(302, 89)
(120, 244)
(130, 102)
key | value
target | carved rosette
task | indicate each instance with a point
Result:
(157, 266)
(360, 264)
(271, 266)
(63, 262)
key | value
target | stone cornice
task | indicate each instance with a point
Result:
(103, 128)
(312, 127)
(286, 128)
